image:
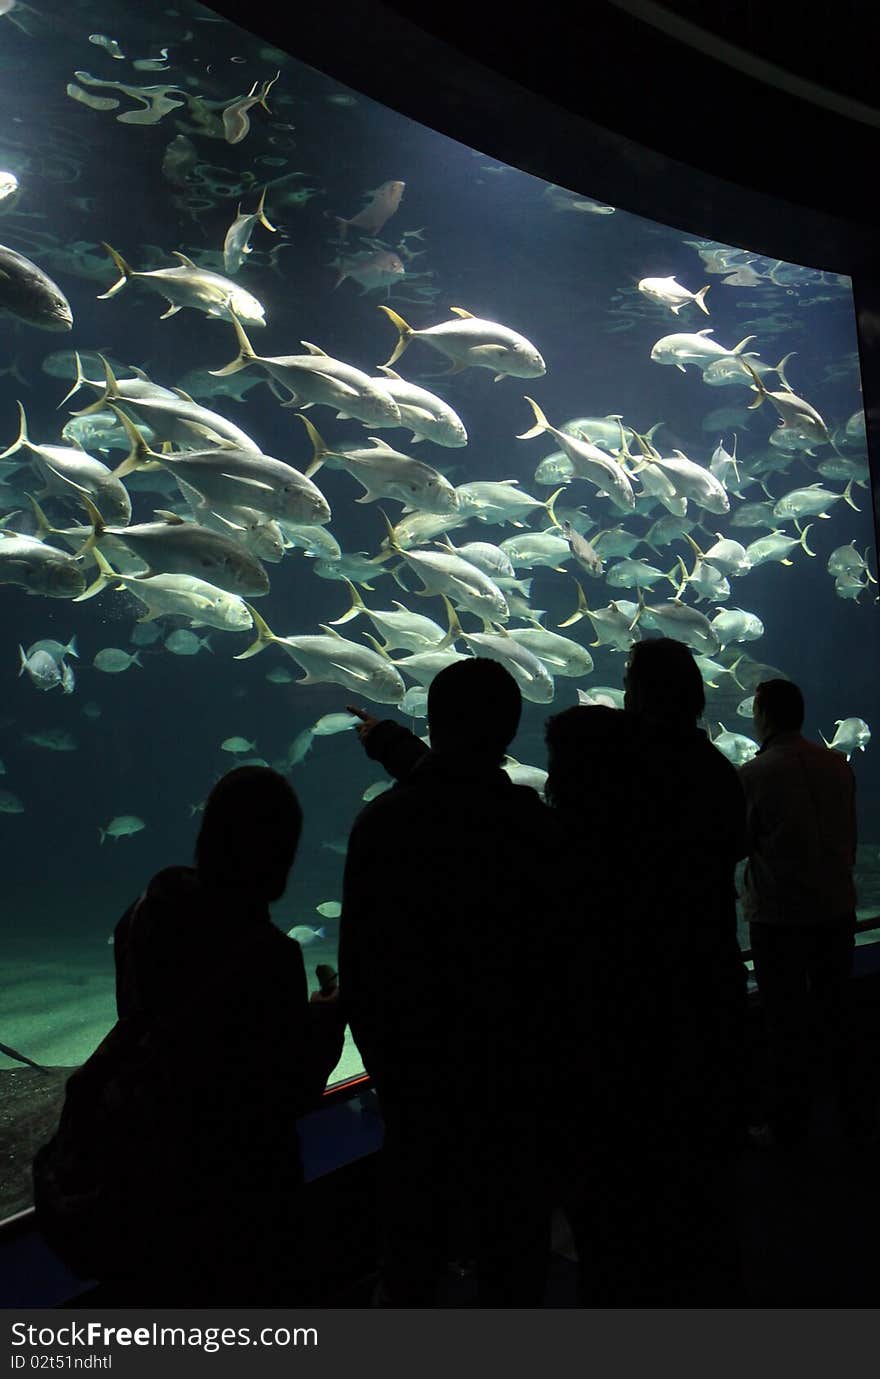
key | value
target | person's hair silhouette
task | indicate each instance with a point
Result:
(250, 832)
(663, 682)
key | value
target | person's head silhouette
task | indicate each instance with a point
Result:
(249, 834)
(474, 708)
(778, 707)
(663, 683)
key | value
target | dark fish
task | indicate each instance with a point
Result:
(29, 294)
(20, 1057)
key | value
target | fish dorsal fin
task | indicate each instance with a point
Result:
(460, 311)
(186, 397)
(313, 349)
(710, 330)
(172, 518)
(331, 631)
(389, 372)
(140, 373)
(187, 263)
(374, 440)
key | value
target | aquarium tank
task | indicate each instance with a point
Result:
(300, 400)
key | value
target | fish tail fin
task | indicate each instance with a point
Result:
(759, 386)
(672, 575)
(746, 340)
(453, 626)
(261, 212)
(79, 379)
(44, 526)
(320, 448)
(392, 539)
(550, 506)
(106, 575)
(71, 647)
(825, 739)
(125, 272)
(97, 524)
(700, 298)
(140, 453)
(246, 353)
(802, 536)
(541, 422)
(23, 659)
(357, 605)
(847, 493)
(102, 834)
(780, 369)
(265, 635)
(404, 334)
(265, 89)
(23, 437)
(684, 577)
(581, 611)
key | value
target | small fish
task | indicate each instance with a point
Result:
(53, 739)
(334, 723)
(329, 909)
(383, 202)
(237, 242)
(279, 676)
(8, 185)
(123, 826)
(668, 292)
(184, 643)
(238, 746)
(112, 660)
(304, 935)
(236, 121)
(851, 735)
(109, 44)
(9, 803)
(92, 710)
(146, 633)
(381, 268)
(735, 746)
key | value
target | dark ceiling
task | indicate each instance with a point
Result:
(628, 68)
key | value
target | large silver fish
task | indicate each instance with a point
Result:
(473, 342)
(69, 472)
(317, 378)
(331, 658)
(230, 478)
(428, 416)
(190, 286)
(30, 295)
(588, 461)
(170, 413)
(175, 547)
(385, 473)
(183, 595)
(38, 567)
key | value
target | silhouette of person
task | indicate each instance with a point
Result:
(799, 899)
(199, 961)
(669, 994)
(448, 915)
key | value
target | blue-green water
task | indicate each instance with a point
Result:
(551, 264)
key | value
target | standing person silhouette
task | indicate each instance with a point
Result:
(799, 899)
(446, 906)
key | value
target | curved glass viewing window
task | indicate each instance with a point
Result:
(695, 440)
